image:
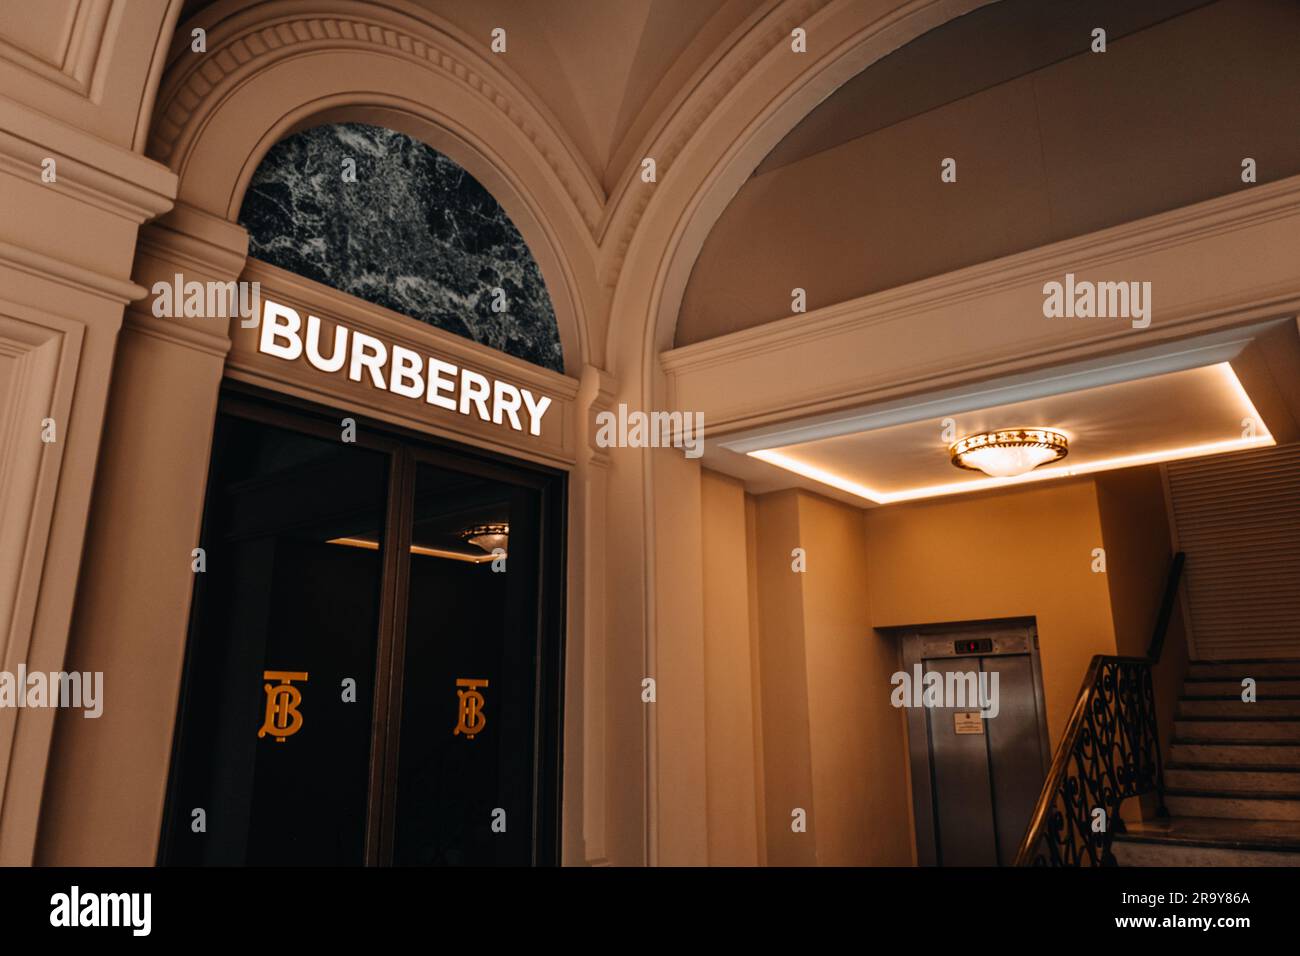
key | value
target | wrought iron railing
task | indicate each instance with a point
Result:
(1113, 753)
(1110, 752)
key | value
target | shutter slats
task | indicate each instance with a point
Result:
(1238, 521)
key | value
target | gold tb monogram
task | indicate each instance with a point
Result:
(471, 720)
(282, 716)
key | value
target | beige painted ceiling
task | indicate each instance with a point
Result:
(602, 66)
(993, 45)
(606, 69)
(1164, 417)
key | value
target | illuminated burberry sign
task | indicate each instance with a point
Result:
(400, 370)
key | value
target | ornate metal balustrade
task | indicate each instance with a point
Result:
(1110, 752)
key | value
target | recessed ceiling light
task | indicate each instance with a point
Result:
(1009, 452)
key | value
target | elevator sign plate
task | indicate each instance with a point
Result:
(968, 722)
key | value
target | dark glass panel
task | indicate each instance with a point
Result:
(281, 594)
(470, 618)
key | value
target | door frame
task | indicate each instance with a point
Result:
(406, 449)
(1017, 635)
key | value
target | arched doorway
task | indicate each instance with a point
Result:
(373, 661)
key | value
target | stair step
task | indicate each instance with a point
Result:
(1209, 841)
(1173, 854)
(1264, 687)
(1201, 751)
(1235, 670)
(1234, 804)
(1236, 707)
(1219, 728)
(1283, 778)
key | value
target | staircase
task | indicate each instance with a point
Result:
(1232, 776)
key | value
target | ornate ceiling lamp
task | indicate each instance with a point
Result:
(1009, 452)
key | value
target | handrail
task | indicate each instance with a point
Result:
(1172, 580)
(1110, 752)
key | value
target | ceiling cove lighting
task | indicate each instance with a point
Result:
(1262, 438)
(1009, 452)
(982, 484)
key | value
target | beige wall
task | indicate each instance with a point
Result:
(1135, 524)
(783, 683)
(1024, 553)
(1161, 120)
(1131, 504)
(78, 79)
(731, 745)
(831, 746)
(858, 743)
(830, 743)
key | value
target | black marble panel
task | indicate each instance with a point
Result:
(414, 233)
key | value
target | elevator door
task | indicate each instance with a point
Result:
(981, 749)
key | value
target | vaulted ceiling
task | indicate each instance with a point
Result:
(605, 69)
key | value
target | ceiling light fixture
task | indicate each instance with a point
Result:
(1009, 452)
(489, 537)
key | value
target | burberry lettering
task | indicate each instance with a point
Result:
(399, 370)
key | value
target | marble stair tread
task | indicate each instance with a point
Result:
(1199, 688)
(1229, 742)
(1233, 773)
(1235, 670)
(1227, 793)
(1265, 778)
(1231, 753)
(1234, 766)
(1236, 727)
(1217, 800)
(1207, 729)
(1216, 832)
(1274, 718)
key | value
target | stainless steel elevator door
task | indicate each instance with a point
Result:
(986, 784)
(963, 796)
(976, 779)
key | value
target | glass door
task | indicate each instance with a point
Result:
(374, 659)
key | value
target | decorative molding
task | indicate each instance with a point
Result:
(197, 241)
(248, 41)
(176, 331)
(41, 266)
(867, 351)
(1250, 207)
(722, 79)
(82, 48)
(40, 355)
(91, 171)
(596, 394)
